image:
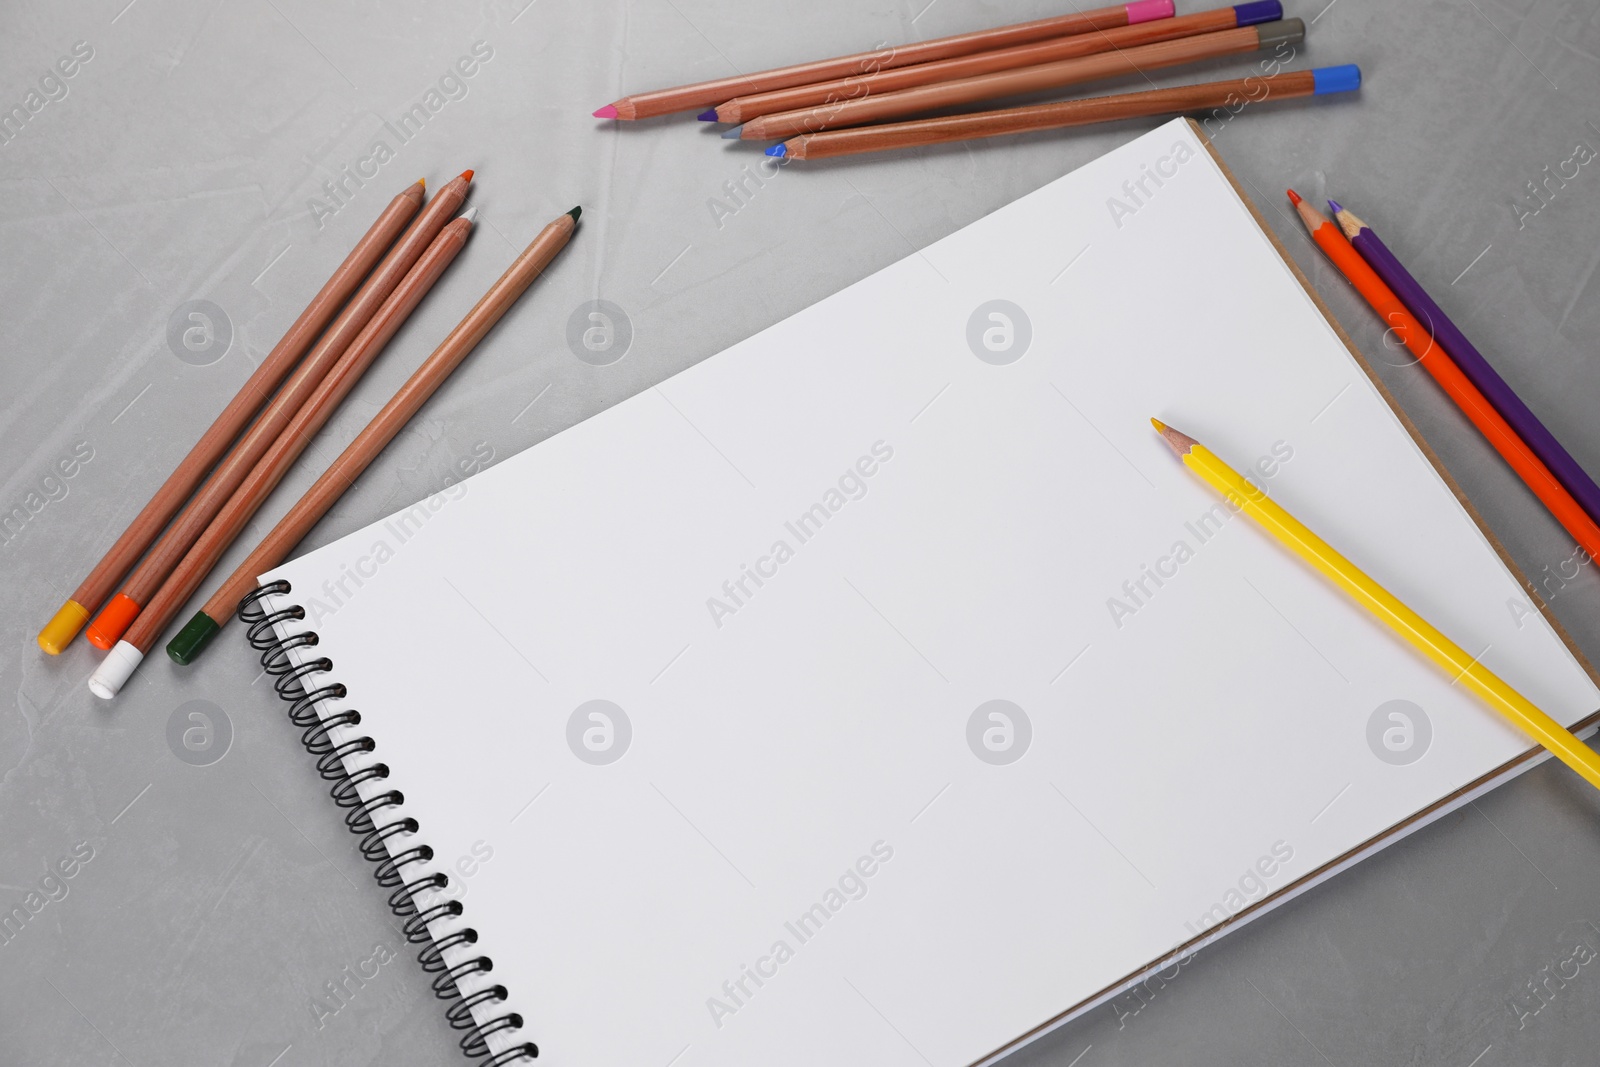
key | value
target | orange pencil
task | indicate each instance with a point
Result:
(1437, 362)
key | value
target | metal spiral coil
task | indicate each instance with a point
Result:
(388, 846)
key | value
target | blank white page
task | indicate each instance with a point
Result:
(821, 843)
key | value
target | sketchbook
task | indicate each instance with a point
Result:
(881, 690)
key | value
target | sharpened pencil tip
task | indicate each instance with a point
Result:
(424, 183)
(466, 175)
(779, 150)
(607, 112)
(470, 214)
(733, 133)
(1180, 443)
(575, 212)
(708, 115)
(1352, 226)
(1294, 198)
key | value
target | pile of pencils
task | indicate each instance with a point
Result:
(1462, 372)
(865, 102)
(170, 547)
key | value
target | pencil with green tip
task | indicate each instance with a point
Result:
(1389, 610)
(277, 545)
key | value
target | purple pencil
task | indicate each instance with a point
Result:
(1477, 369)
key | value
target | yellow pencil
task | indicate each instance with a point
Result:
(1382, 603)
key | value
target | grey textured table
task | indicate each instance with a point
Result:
(193, 155)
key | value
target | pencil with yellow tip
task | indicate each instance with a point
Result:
(1388, 608)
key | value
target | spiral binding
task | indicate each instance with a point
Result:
(390, 846)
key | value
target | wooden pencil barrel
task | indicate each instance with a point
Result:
(1050, 116)
(260, 386)
(745, 108)
(711, 93)
(237, 512)
(1004, 83)
(405, 403)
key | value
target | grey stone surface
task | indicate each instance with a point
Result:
(182, 161)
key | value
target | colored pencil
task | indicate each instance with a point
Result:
(921, 132)
(305, 514)
(1440, 363)
(330, 350)
(1059, 75)
(1472, 363)
(126, 655)
(152, 519)
(1461, 666)
(711, 93)
(744, 108)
